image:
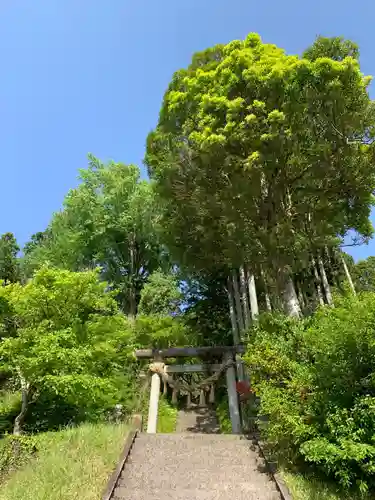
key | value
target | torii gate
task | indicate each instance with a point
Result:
(162, 371)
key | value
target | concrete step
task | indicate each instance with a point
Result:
(191, 435)
(225, 493)
(225, 459)
(193, 474)
(214, 448)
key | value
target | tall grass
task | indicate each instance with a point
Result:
(308, 488)
(72, 464)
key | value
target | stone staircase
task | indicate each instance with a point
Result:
(191, 466)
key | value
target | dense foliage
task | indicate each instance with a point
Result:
(315, 379)
(9, 265)
(109, 220)
(262, 157)
(161, 295)
(66, 339)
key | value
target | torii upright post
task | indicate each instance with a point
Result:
(154, 404)
(233, 397)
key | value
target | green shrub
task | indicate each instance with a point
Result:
(15, 451)
(167, 416)
(222, 413)
(316, 380)
(10, 406)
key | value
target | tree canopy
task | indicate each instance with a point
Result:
(261, 156)
(9, 265)
(69, 338)
(110, 220)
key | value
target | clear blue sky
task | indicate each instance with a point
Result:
(83, 76)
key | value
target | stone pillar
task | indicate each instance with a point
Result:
(240, 369)
(202, 398)
(233, 399)
(174, 396)
(211, 397)
(154, 404)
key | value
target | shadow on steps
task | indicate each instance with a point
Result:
(198, 419)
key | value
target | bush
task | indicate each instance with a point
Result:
(15, 451)
(10, 406)
(222, 413)
(316, 380)
(167, 416)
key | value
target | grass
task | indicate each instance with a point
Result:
(306, 488)
(72, 464)
(167, 417)
(222, 413)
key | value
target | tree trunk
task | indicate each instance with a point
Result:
(245, 301)
(349, 278)
(253, 295)
(331, 272)
(300, 295)
(20, 418)
(326, 287)
(132, 302)
(235, 329)
(289, 296)
(317, 283)
(266, 294)
(237, 299)
(232, 312)
(132, 292)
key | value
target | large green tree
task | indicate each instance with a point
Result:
(9, 265)
(69, 339)
(259, 155)
(161, 295)
(364, 274)
(110, 221)
(206, 308)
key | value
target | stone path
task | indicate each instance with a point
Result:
(193, 466)
(197, 419)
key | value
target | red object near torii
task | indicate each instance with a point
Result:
(243, 388)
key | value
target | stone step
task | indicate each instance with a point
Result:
(193, 439)
(192, 436)
(225, 492)
(170, 448)
(190, 474)
(211, 458)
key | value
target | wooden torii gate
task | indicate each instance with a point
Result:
(161, 371)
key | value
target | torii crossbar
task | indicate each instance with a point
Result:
(185, 352)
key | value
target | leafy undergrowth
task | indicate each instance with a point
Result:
(167, 417)
(70, 464)
(10, 405)
(222, 413)
(305, 488)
